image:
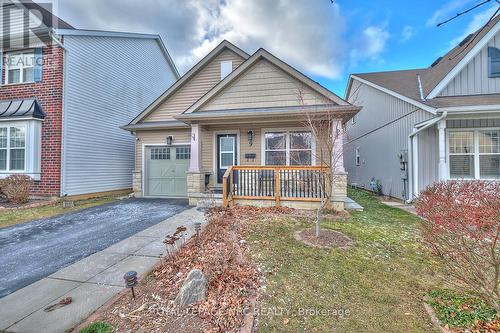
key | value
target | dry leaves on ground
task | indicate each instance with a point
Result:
(221, 253)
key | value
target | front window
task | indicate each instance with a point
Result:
(12, 148)
(461, 154)
(474, 154)
(288, 148)
(20, 67)
(489, 154)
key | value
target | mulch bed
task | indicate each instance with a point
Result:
(327, 238)
(221, 253)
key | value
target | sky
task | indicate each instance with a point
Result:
(326, 41)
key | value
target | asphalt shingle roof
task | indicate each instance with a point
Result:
(405, 82)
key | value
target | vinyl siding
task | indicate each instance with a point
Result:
(196, 87)
(264, 85)
(474, 123)
(208, 142)
(473, 79)
(381, 132)
(158, 137)
(108, 81)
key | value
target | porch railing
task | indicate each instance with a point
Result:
(294, 183)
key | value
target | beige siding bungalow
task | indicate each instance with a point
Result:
(239, 121)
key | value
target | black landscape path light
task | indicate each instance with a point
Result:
(131, 281)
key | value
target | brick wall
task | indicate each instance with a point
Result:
(49, 94)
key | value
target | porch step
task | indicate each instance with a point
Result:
(352, 205)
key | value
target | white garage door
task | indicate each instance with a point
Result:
(166, 171)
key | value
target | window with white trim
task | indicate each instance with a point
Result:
(489, 154)
(12, 148)
(358, 157)
(474, 154)
(493, 62)
(288, 148)
(226, 67)
(20, 67)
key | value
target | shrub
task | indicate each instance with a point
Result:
(17, 188)
(97, 327)
(462, 227)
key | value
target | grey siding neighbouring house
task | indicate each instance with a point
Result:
(381, 132)
(472, 80)
(109, 80)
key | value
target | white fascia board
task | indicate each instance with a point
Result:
(472, 108)
(454, 72)
(397, 95)
(101, 33)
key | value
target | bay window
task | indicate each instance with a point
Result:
(12, 148)
(292, 147)
(474, 154)
(20, 148)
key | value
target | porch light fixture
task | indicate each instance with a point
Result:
(131, 281)
(250, 137)
(170, 139)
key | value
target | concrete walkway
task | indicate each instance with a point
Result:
(396, 204)
(90, 282)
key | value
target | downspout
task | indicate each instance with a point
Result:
(414, 158)
(62, 181)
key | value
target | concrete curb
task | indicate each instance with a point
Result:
(434, 318)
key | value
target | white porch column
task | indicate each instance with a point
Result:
(339, 179)
(443, 166)
(195, 162)
(338, 146)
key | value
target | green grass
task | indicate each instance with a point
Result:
(97, 327)
(459, 311)
(376, 286)
(16, 216)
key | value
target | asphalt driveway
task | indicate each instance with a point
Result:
(34, 250)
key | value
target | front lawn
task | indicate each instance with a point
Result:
(16, 216)
(375, 286)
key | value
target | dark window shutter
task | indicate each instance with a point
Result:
(38, 64)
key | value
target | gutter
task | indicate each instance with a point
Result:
(429, 124)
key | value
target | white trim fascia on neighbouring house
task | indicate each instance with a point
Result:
(397, 95)
(461, 65)
(472, 108)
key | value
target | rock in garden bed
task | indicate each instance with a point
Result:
(220, 256)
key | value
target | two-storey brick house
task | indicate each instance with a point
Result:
(64, 93)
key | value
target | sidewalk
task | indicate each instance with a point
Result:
(396, 204)
(90, 282)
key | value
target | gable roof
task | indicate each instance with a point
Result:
(258, 55)
(186, 77)
(434, 78)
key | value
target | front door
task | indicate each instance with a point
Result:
(226, 154)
